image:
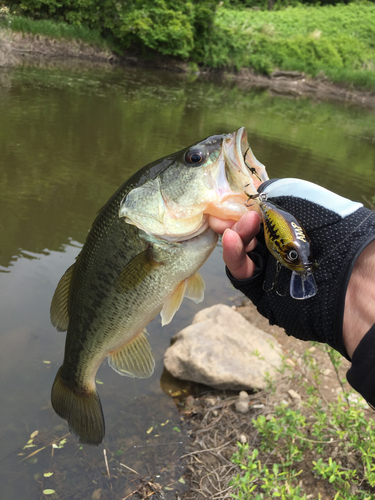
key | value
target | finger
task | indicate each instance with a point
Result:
(235, 257)
(219, 225)
(247, 228)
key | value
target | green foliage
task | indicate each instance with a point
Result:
(277, 4)
(158, 26)
(318, 430)
(335, 41)
(54, 29)
(275, 481)
(171, 27)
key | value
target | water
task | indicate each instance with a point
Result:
(68, 139)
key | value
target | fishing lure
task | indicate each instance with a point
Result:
(289, 244)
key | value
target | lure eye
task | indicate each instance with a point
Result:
(195, 157)
(293, 255)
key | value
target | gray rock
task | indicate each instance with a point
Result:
(223, 350)
(242, 403)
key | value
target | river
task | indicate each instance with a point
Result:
(68, 139)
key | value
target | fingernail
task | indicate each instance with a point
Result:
(238, 226)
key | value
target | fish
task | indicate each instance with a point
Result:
(288, 242)
(141, 258)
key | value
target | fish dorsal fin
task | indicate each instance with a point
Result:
(134, 359)
(195, 288)
(192, 288)
(59, 305)
(136, 271)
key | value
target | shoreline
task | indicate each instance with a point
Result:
(17, 48)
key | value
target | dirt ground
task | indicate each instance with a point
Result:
(17, 48)
(215, 426)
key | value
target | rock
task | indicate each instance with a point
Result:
(243, 439)
(293, 394)
(223, 350)
(242, 403)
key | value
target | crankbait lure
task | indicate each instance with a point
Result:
(289, 244)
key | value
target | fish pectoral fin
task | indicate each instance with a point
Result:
(59, 305)
(173, 303)
(134, 359)
(136, 271)
(195, 288)
(192, 288)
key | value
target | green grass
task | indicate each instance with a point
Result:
(338, 41)
(335, 41)
(53, 29)
(334, 440)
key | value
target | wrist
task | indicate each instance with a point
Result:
(359, 312)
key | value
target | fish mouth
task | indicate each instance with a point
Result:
(241, 162)
(236, 174)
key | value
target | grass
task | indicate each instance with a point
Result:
(53, 29)
(337, 41)
(334, 439)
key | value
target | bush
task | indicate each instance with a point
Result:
(171, 27)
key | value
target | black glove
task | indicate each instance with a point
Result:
(339, 230)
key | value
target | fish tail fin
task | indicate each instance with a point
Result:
(81, 409)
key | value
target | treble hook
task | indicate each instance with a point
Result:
(252, 169)
(274, 283)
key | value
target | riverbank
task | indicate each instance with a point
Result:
(23, 48)
(301, 438)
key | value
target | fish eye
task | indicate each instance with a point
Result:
(293, 255)
(195, 157)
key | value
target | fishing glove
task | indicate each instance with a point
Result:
(339, 230)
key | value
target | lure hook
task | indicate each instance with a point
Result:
(274, 283)
(252, 169)
(250, 197)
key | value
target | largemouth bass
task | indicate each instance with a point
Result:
(140, 259)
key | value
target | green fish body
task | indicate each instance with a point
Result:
(141, 258)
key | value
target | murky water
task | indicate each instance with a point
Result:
(68, 139)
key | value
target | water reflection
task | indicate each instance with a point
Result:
(68, 139)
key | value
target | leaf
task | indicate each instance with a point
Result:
(150, 430)
(165, 423)
(35, 433)
(46, 362)
(176, 429)
(99, 382)
(48, 474)
(181, 480)
(49, 492)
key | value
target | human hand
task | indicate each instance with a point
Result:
(339, 230)
(239, 238)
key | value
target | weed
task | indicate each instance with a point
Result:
(53, 29)
(336, 438)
